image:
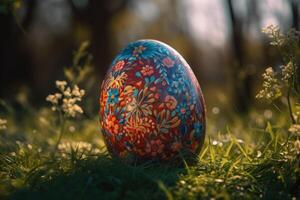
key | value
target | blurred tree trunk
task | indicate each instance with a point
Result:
(98, 16)
(16, 66)
(240, 80)
(295, 13)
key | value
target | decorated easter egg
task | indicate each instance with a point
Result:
(151, 104)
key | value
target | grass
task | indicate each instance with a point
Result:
(245, 160)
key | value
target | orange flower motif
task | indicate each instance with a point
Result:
(168, 62)
(103, 100)
(147, 70)
(176, 146)
(171, 102)
(157, 147)
(112, 124)
(119, 65)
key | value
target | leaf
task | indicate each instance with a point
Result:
(152, 78)
(203, 153)
(212, 152)
(176, 123)
(168, 194)
(138, 74)
(269, 130)
(228, 149)
(242, 149)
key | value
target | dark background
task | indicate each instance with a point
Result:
(220, 39)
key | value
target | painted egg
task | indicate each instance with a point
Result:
(151, 104)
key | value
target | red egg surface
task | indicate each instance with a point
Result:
(151, 104)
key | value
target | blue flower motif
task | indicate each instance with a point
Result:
(198, 130)
(113, 96)
(142, 49)
(178, 81)
(183, 111)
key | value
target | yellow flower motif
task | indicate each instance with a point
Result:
(115, 82)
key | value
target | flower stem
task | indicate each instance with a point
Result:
(60, 131)
(289, 106)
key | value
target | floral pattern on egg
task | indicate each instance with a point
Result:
(151, 104)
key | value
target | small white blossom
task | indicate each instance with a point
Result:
(297, 146)
(273, 32)
(67, 92)
(297, 114)
(270, 88)
(61, 85)
(287, 72)
(3, 124)
(54, 98)
(77, 92)
(259, 154)
(295, 129)
(80, 147)
(67, 99)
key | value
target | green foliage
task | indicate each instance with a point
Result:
(242, 163)
(287, 82)
(81, 65)
(264, 164)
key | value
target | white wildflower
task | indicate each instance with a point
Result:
(71, 108)
(67, 92)
(54, 98)
(3, 124)
(61, 85)
(67, 99)
(297, 146)
(271, 88)
(287, 72)
(273, 32)
(259, 154)
(77, 92)
(297, 114)
(29, 146)
(79, 147)
(295, 129)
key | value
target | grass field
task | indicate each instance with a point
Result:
(253, 158)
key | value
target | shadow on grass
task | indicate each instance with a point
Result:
(101, 178)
